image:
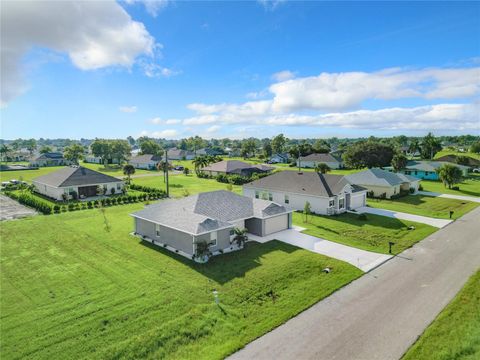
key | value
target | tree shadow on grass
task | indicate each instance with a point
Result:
(226, 267)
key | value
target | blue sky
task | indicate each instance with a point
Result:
(306, 69)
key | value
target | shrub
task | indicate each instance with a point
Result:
(108, 202)
(420, 187)
(56, 209)
(112, 191)
(411, 190)
(455, 188)
(71, 207)
(96, 203)
(113, 201)
(64, 209)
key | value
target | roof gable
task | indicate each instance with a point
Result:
(74, 176)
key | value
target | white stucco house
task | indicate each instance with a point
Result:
(76, 179)
(310, 161)
(383, 183)
(147, 161)
(327, 194)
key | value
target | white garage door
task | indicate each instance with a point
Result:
(357, 201)
(276, 223)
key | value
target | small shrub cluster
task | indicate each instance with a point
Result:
(29, 200)
(238, 179)
(153, 193)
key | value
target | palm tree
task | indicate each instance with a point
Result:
(240, 237)
(322, 168)
(4, 150)
(128, 170)
(200, 162)
(450, 175)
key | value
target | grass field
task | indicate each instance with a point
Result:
(469, 186)
(71, 289)
(181, 185)
(372, 234)
(426, 206)
(450, 152)
(455, 333)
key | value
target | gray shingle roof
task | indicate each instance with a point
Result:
(73, 176)
(310, 183)
(319, 158)
(208, 211)
(379, 177)
(145, 159)
(425, 165)
(235, 166)
(50, 155)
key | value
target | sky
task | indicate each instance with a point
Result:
(175, 69)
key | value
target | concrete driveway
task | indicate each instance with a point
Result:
(10, 209)
(380, 315)
(451, 196)
(364, 260)
(439, 223)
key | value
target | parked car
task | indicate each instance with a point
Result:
(476, 170)
(14, 181)
(178, 168)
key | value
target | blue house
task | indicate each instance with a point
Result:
(426, 170)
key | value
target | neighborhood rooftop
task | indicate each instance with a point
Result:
(74, 175)
(379, 177)
(229, 166)
(428, 165)
(208, 211)
(304, 183)
(146, 158)
(320, 158)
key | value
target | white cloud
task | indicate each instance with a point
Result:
(173, 121)
(94, 34)
(213, 129)
(158, 121)
(342, 91)
(155, 120)
(156, 70)
(283, 75)
(270, 5)
(128, 109)
(153, 7)
(163, 134)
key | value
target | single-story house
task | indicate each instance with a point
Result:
(49, 159)
(426, 170)
(310, 161)
(384, 183)
(147, 161)
(209, 217)
(90, 158)
(327, 194)
(179, 154)
(209, 152)
(235, 167)
(76, 179)
(279, 158)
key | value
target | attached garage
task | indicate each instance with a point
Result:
(357, 200)
(275, 224)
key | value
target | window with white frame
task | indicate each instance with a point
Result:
(213, 239)
(270, 196)
(157, 230)
(331, 203)
(341, 203)
(287, 200)
(119, 186)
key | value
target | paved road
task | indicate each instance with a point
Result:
(381, 314)
(451, 196)
(439, 223)
(10, 209)
(364, 260)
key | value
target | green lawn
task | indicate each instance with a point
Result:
(425, 205)
(71, 289)
(455, 333)
(372, 234)
(181, 185)
(451, 152)
(469, 186)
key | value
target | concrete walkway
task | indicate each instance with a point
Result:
(439, 223)
(380, 315)
(451, 196)
(364, 260)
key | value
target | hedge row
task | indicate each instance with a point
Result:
(148, 190)
(233, 179)
(29, 200)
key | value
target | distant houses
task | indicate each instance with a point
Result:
(235, 167)
(76, 182)
(426, 170)
(279, 158)
(49, 159)
(179, 154)
(310, 161)
(327, 194)
(382, 183)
